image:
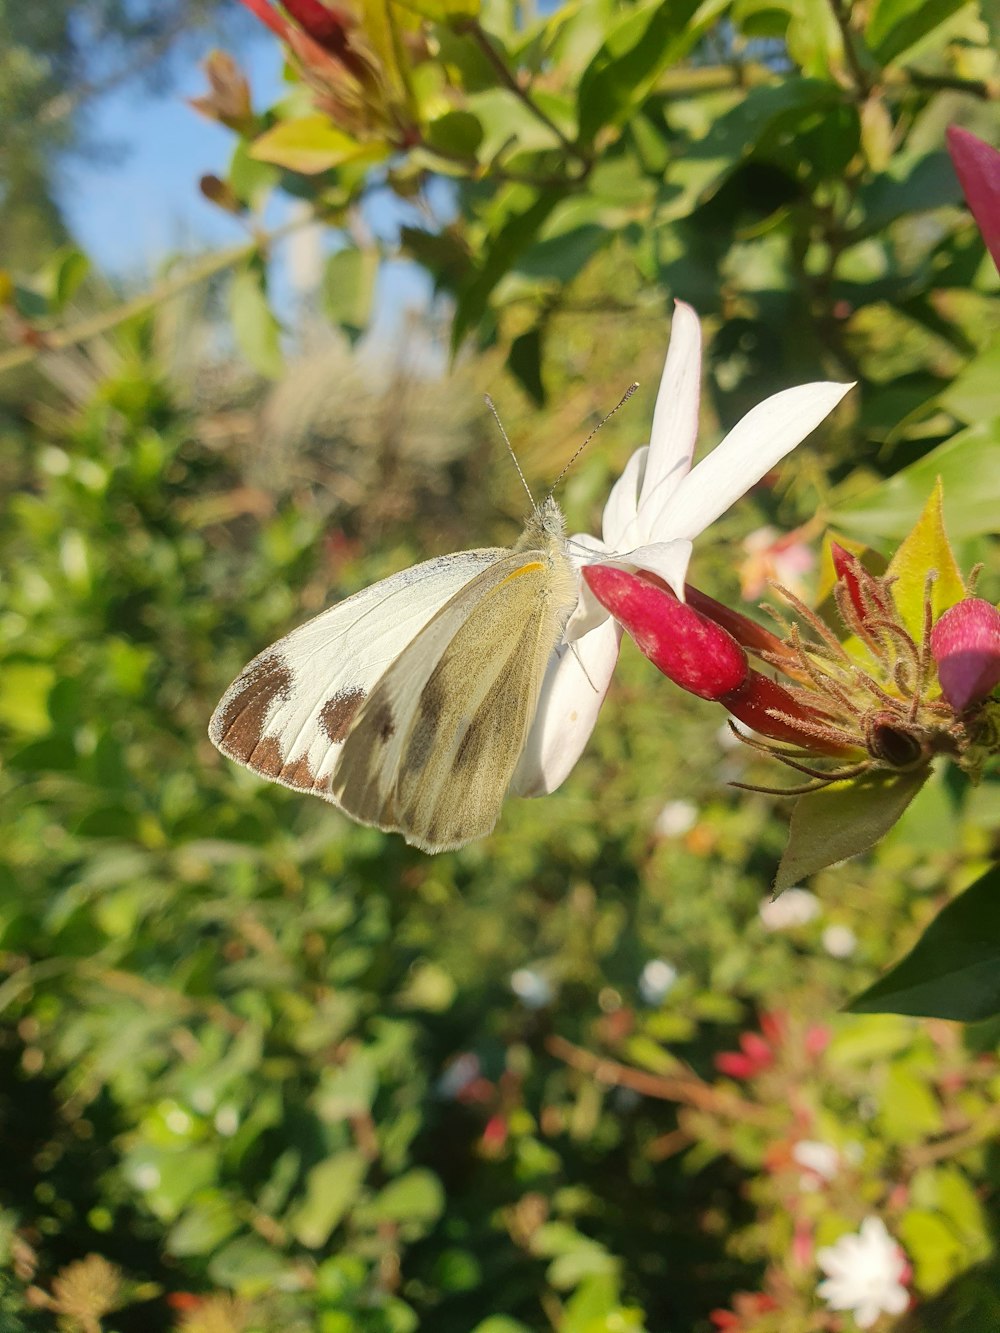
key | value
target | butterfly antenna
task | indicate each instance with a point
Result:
(510, 449)
(603, 422)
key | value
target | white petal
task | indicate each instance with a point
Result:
(675, 417)
(667, 559)
(895, 1300)
(575, 684)
(618, 524)
(866, 1314)
(766, 434)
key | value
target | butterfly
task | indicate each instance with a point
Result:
(408, 705)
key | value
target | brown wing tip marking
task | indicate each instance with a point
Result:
(238, 728)
(339, 712)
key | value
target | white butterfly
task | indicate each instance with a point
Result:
(409, 704)
(417, 703)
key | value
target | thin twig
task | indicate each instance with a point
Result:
(94, 325)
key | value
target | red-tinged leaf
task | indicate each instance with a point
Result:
(977, 166)
(923, 549)
(842, 820)
(953, 971)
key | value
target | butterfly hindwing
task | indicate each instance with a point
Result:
(432, 751)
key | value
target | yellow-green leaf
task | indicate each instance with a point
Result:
(311, 144)
(925, 548)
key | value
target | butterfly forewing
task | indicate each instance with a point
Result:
(288, 713)
(432, 751)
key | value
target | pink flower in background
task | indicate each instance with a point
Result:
(772, 555)
(977, 166)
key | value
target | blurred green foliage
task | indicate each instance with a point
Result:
(263, 1069)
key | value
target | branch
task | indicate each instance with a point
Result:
(688, 1089)
(509, 81)
(94, 325)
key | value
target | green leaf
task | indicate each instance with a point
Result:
(456, 132)
(974, 395)
(908, 1109)
(953, 971)
(842, 820)
(637, 48)
(512, 238)
(332, 1188)
(969, 468)
(525, 364)
(909, 186)
(311, 144)
(256, 329)
(440, 11)
(500, 1323)
(896, 25)
(349, 287)
(416, 1197)
(61, 275)
(924, 548)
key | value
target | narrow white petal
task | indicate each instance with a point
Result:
(895, 1300)
(575, 685)
(766, 434)
(675, 417)
(667, 559)
(618, 524)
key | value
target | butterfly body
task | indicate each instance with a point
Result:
(409, 704)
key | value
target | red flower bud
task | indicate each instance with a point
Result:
(759, 697)
(685, 645)
(977, 166)
(965, 643)
(735, 1064)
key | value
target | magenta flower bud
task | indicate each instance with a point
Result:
(977, 167)
(965, 643)
(694, 652)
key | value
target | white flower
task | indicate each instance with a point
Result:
(676, 818)
(656, 509)
(656, 980)
(795, 907)
(821, 1158)
(532, 988)
(864, 1274)
(839, 941)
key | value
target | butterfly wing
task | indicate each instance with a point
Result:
(433, 749)
(286, 715)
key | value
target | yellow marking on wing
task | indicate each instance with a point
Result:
(525, 569)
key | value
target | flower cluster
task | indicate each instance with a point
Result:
(883, 682)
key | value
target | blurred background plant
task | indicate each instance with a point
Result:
(266, 1070)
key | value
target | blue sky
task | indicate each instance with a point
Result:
(137, 202)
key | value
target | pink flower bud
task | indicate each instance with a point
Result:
(685, 645)
(965, 643)
(977, 166)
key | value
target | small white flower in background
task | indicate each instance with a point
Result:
(656, 509)
(675, 819)
(727, 739)
(146, 1176)
(839, 941)
(864, 1274)
(656, 980)
(227, 1121)
(462, 1071)
(795, 907)
(822, 1159)
(531, 988)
